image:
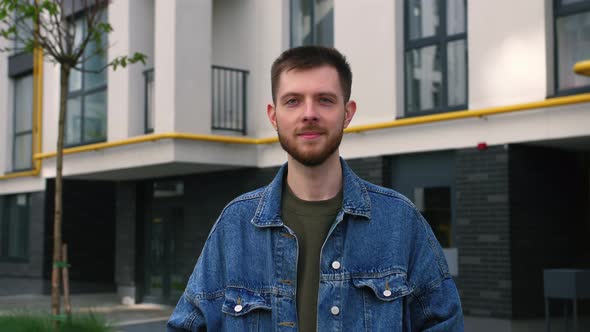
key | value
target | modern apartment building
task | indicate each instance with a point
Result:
(469, 108)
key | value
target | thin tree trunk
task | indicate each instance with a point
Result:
(66, 282)
(57, 240)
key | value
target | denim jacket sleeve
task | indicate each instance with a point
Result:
(201, 301)
(435, 305)
(186, 317)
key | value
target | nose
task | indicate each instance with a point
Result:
(310, 112)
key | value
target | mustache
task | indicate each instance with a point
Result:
(315, 129)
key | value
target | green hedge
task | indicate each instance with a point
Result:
(29, 322)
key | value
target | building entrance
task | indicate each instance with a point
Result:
(163, 283)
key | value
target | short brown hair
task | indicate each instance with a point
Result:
(309, 57)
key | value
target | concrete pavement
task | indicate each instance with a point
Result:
(127, 318)
(153, 317)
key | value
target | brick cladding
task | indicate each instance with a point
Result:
(483, 232)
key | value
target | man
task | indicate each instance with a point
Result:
(318, 248)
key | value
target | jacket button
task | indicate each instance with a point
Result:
(335, 310)
(387, 293)
(335, 265)
(238, 308)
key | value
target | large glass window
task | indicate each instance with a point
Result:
(435, 56)
(14, 226)
(22, 144)
(572, 43)
(435, 205)
(312, 22)
(86, 120)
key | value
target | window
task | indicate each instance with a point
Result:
(572, 44)
(86, 119)
(312, 22)
(22, 143)
(149, 101)
(14, 224)
(435, 205)
(435, 56)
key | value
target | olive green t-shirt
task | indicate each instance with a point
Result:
(311, 222)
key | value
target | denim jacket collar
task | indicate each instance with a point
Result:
(355, 199)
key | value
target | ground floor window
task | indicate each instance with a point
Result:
(435, 205)
(14, 224)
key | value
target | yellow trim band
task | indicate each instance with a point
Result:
(582, 68)
(559, 101)
(551, 102)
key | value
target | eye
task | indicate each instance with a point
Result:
(291, 102)
(326, 100)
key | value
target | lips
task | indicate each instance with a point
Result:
(310, 135)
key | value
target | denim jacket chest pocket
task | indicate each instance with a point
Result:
(246, 310)
(383, 301)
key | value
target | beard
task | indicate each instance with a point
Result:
(311, 154)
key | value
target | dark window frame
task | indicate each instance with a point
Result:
(560, 10)
(83, 92)
(149, 76)
(4, 229)
(15, 134)
(441, 39)
(312, 5)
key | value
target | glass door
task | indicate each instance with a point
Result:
(163, 283)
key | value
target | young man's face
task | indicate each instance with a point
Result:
(310, 114)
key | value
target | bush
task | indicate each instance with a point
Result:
(29, 322)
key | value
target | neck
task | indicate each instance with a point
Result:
(316, 183)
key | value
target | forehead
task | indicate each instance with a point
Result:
(314, 80)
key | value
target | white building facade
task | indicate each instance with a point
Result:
(469, 108)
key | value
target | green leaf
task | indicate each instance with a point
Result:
(138, 57)
(104, 27)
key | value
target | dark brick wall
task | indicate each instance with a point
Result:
(482, 230)
(89, 230)
(548, 207)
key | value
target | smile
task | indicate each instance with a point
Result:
(310, 135)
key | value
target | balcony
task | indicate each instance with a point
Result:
(228, 99)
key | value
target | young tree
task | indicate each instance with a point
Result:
(49, 26)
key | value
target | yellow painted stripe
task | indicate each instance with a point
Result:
(552, 102)
(582, 68)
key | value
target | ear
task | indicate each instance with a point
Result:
(350, 109)
(272, 115)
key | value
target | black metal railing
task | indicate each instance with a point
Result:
(149, 101)
(228, 99)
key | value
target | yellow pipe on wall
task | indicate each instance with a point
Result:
(582, 68)
(558, 101)
(37, 117)
(551, 102)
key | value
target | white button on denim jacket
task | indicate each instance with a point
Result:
(390, 275)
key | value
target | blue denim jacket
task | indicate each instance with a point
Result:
(390, 274)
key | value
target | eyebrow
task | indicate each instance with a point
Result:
(295, 94)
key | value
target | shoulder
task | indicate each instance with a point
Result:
(241, 208)
(386, 194)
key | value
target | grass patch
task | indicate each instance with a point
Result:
(31, 322)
